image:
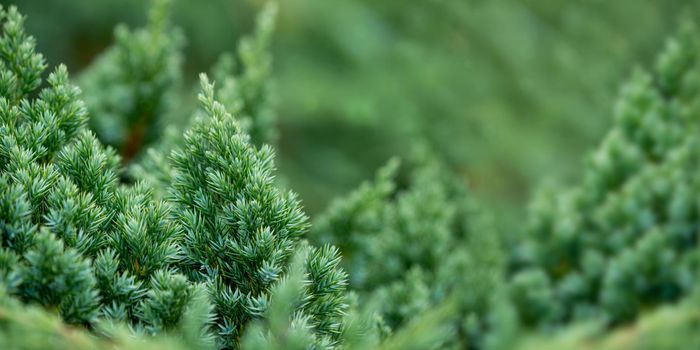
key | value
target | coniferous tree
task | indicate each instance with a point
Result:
(78, 242)
(32, 131)
(625, 239)
(240, 230)
(408, 250)
(122, 245)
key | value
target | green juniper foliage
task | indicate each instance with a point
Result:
(29, 327)
(408, 249)
(77, 240)
(201, 249)
(314, 285)
(73, 238)
(240, 230)
(283, 328)
(626, 238)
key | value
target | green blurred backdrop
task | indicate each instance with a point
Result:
(510, 93)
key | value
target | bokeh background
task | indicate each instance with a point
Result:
(511, 93)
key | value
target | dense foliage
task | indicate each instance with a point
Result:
(78, 241)
(133, 215)
(626, 238)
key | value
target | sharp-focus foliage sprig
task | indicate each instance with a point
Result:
(240, 230)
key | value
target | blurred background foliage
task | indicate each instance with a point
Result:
(510, 92)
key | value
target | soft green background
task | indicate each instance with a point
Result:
(510, 93)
